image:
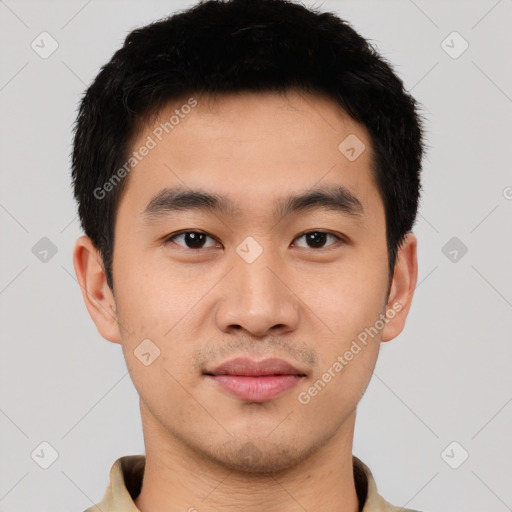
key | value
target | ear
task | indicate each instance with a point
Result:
(98, 298)
(402, 288)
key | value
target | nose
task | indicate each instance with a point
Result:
(257, 298)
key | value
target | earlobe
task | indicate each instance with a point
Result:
(98, 297)
(402, 288)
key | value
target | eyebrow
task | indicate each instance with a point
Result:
(169, 200)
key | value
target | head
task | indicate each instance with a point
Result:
(247, 177)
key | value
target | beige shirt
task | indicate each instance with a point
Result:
(126, 482)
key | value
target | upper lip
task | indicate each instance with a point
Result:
(248, 367)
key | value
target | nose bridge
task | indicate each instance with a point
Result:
(257, 277)
(256, 297)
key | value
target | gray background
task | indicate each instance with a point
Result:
(445, 378)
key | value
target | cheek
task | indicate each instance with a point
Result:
(346, 307)
(151, 297)
(348, 353)
(347, 341)
(338, 386)
(344, 297)
(156, 342)
(160, 305)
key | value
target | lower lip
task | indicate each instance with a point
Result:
(256, 389)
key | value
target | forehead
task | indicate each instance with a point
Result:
(250, 147)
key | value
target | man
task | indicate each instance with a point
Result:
(247, 175)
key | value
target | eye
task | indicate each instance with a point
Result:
(317, 239)
(196, 239)
(190, 239)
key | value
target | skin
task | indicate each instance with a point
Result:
(201, 307)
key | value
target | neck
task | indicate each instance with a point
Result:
(177, 478)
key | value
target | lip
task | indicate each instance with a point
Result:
(256, 381)
(256, 389)
(249, 368)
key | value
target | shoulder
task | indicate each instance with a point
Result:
(367, 491)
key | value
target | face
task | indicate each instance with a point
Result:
(304, 281)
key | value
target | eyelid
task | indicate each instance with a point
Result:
(168, 239)
(338, 238)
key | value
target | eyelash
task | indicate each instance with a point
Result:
(170, 238)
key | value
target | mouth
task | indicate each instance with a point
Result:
(254, 381)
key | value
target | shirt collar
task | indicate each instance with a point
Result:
(126, 481)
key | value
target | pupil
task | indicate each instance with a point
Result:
(316, 238)
(194, 239)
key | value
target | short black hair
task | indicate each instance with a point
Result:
(244, 45)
